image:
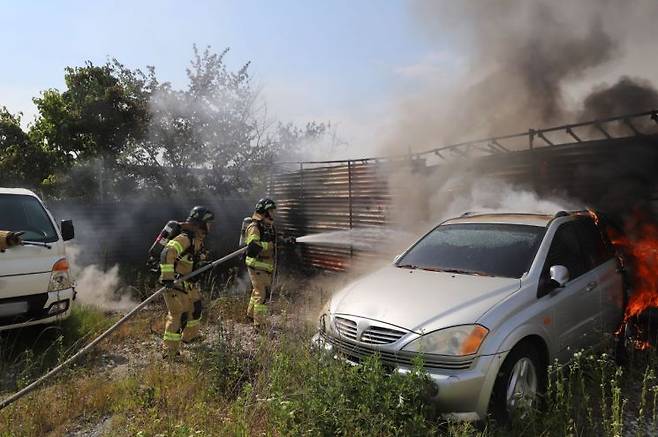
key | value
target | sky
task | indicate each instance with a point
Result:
(340, 61)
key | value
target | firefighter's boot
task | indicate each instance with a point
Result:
(191, 331)
(177, 305)
(261, 281)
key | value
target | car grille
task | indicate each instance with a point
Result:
(371, 335)
(381, 335)
(346, 327)
(355, 352)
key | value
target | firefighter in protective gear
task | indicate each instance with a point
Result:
(9, 239)
(260, 238)
(181, 256)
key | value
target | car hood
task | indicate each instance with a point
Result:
(420, 300)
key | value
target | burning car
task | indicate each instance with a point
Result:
(487, 301)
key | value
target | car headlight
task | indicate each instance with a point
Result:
(457, 341)
(59, 276)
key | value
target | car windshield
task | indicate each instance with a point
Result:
(505, 250)
(25, 213)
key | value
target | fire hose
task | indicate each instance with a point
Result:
(121, 321)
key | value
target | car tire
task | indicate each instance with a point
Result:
(521, 381)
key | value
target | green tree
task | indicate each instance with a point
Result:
(114, 131)
(94, 123)
(315, 140)
(201, 139)
(214, 136)
(22, 162)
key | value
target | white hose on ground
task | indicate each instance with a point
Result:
(98, 339)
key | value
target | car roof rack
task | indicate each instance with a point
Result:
(579, 212)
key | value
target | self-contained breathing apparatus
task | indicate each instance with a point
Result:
(243, 230)
(286, 239)
(170, 231)
(199, 216)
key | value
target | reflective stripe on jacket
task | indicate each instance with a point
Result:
(265, 259)
(176, 257)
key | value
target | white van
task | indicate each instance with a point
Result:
(35, 285)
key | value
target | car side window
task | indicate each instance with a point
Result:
(565, 251)
(595, 250)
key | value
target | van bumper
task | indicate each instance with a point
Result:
(35, 309)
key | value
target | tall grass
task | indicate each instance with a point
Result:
(310, 393)
(28, 352)
(279, 385)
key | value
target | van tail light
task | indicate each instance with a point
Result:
(59, 277)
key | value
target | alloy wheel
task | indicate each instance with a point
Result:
(522, 385)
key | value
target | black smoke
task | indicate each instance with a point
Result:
(527, 64)
(628, 95)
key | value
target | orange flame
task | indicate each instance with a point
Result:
(641, 345)
(640, 248)
(637, 248)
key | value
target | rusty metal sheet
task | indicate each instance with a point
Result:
(317, 197)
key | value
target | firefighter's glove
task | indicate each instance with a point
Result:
(253, 249)
(289, 240)
(168, 283)
(14, 239)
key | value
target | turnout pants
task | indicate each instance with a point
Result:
(183, 317)
(191, 331)
(261, 281)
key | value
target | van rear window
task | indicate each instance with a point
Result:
(25, 213)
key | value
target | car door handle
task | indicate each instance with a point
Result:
(591, 286)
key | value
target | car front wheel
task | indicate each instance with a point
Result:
(519, 384)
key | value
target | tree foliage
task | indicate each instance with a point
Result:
(203, 137)
(115, 131)
(21, 160)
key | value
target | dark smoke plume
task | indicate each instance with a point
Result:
(626, 96)
(527, 64)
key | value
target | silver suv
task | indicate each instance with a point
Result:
(488, 300)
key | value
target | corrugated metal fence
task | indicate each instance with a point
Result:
(317, 199)
(612, 173)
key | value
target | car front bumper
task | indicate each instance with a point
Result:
(34, 309)
(462, 394)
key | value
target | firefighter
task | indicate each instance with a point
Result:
(260, 238)
(10, 239)
(181, 256)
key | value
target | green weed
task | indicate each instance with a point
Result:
(282, 386)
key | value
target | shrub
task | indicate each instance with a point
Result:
(312, 394)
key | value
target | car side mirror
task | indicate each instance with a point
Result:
(560, 275)
(68, 231)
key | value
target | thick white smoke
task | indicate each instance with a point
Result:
(496, 196)
(95, 286)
